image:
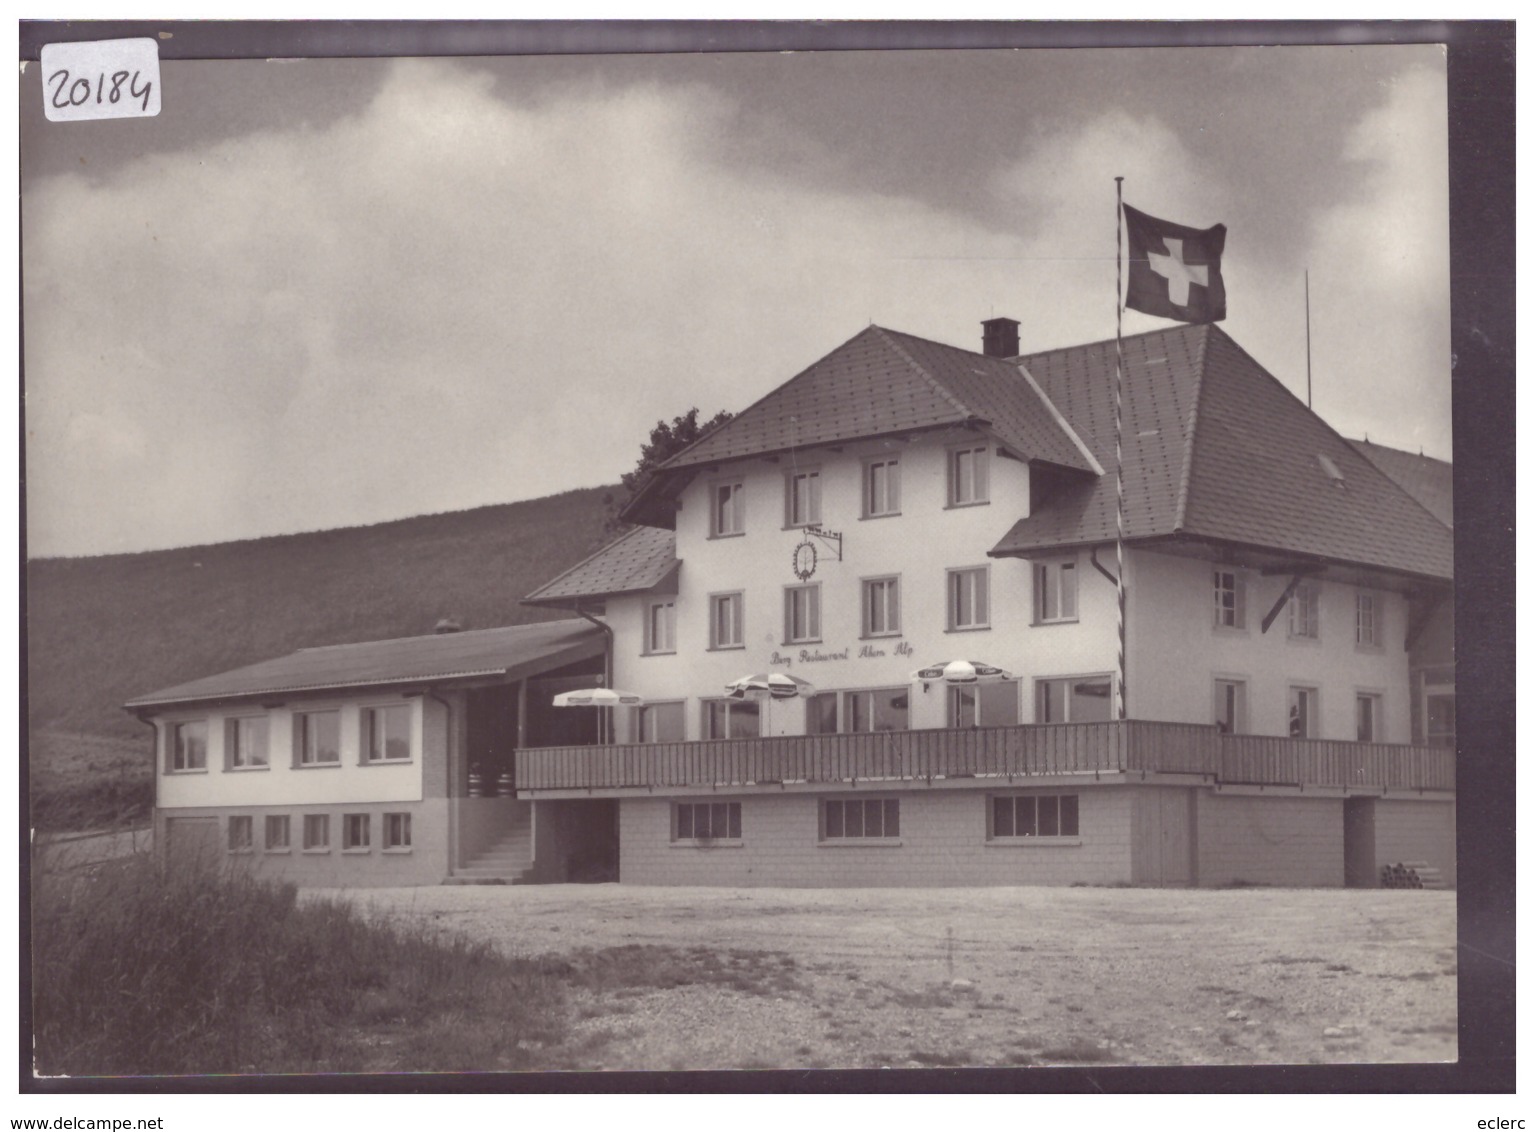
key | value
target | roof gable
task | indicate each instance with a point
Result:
(642, 559)
(1431, 482)
(1216, 448)
(880, 382)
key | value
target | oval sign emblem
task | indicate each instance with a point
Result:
(804, 560)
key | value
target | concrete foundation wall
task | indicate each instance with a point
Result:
(426, 862)
(1416, 831)
(1270, 840)
(943, 841)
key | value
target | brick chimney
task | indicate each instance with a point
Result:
(999, 338)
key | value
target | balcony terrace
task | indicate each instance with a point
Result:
(1012, 755)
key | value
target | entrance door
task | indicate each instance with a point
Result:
(1359, 843)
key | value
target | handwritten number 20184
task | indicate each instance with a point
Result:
(79, 92)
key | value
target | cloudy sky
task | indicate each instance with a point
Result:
(320, 293)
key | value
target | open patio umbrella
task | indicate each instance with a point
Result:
(598, 698)
(769, 686)
(778, 685)
(960, 672)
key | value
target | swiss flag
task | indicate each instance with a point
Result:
(1175, 272)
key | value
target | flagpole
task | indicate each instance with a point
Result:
(1119, 384)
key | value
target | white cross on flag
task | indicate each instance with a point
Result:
(1175, 272)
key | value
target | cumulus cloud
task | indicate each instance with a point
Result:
(451, 298)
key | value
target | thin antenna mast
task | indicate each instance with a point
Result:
(1308, 337)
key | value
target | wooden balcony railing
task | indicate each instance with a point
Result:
(994, 752)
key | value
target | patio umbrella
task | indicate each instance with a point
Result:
(769, 686)
(598, 698)
(778, 685)
(960, 672)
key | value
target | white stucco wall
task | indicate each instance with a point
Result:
(1176, 653)
(284, 783)
(920, 545)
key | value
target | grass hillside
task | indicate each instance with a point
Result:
(102, 630)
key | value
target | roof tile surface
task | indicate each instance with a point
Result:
(638, 560)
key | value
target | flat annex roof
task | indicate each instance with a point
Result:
(508, 654)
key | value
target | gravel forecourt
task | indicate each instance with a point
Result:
(869, 978)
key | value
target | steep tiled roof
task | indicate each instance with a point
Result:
(1216, 448)
(640, 560)
(1429, 481)
(510, 653)
(881, 382)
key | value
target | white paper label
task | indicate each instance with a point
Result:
(109, 78)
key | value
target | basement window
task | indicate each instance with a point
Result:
(860, 819)
(396, 833)
(702, 823)
(355, 832)
(241, 834)
(1032, 816)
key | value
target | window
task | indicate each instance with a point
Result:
(725, 621)
(802, 614)
(731, 719)
(706, 821)
(241, 835)
(317, 738)
(1303, 718)
(1230, 600)
(1303, 612)
(968, 476)
(1231, 706)
(355, 829)
(245, 743)
(1439, 714)
(1034, 815)
(802, 499)
(969, 599)
(396, 832)
(1081, 699)
(277, 833)
(1055, 591)
(661, 723)
(877, 709)
(727, 514)
(881, 488)
(316, 833)
(1367, 627)
(882, 607)
(386, 734)
(661, 626)
(1367, 718)
(188, 745)
(860, 818)
(984, 705)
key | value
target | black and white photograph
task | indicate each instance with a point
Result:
(599, 561)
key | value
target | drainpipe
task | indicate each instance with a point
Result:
(453, 846)
(154, 766)
(607, 650)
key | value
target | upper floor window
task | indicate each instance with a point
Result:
(968, 476)
(1304, 621)
(317, 738)
(726, 617)
(187, 745)
(661, 626)
(970, 598)
(802, 499)
(984, 705)
(727, 513)
(1230, 600)
(1303, 713)
(802, 613)
(1080, 699)
(245, 742)
(731, 719)
(875, 709)
(1367, 617)
(881, 607)
(1367, 720)
(661, 723)
(1055, 591)
(1231, 706)
(882, 488)
(386, 734)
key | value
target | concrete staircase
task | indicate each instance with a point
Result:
(508, 860)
